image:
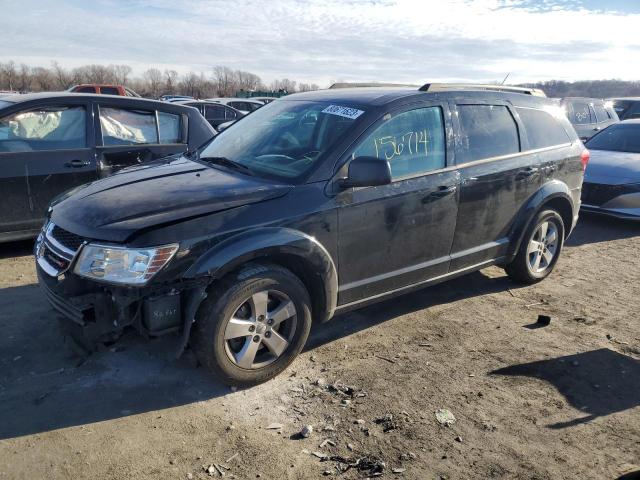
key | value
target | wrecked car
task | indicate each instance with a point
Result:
(324, 202)
(52, 142)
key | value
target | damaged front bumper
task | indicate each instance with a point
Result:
(102, 311)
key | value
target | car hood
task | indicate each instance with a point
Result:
(138, 198)
(613, 168)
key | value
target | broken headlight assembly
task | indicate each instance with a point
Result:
(130, 266)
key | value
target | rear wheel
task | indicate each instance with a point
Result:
(252, 325)
(539, 250)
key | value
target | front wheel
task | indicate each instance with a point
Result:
(252, 325)
(539, 250)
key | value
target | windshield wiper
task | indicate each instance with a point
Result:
(225, 162)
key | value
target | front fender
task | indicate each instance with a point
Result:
(273, 242)
(552, 191)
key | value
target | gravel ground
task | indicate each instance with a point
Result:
(556, 402)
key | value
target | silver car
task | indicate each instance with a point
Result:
(612, 178)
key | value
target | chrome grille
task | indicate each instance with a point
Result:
(56, 249)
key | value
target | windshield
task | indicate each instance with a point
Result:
(617, 138)
(283, 139)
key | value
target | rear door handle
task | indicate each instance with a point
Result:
(526, 173)
(77, 163)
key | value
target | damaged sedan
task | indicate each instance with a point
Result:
(319, 203)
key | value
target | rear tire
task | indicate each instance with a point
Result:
(539, 250)
(252, 325)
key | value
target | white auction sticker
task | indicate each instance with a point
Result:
(351, 113)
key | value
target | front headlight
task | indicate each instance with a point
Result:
(135, 266)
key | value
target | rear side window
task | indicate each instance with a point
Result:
(601, 113)
(413, 142)
(230, 114)
(85, 90)
(486, 131)
(138, 127)
(634, 111)
(543, 130)
(169, 127)
(52, 128)
(579, 113)
(127, 127)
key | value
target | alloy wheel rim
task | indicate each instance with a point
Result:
(542, 247)
(260, 330)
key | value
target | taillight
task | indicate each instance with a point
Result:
(584, 158)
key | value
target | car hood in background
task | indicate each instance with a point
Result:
(613, 168)
(114, 208)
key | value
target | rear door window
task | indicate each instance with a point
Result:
(85, 90)
(413, 142)
(579, 113)
(543, 130)
(486, 131)
(49, 128)
(127, 127)
(230, 114)
(601, 113)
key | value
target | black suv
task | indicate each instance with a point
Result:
(315, 204)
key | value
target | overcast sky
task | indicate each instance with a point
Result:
(327, 40)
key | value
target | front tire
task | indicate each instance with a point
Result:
(539, 250)
(252, 325)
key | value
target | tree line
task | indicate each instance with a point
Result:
(589, 88)
(221, 81)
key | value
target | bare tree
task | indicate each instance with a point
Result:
(153, 78)
(170, 81)
(8, 75)
(120, 73)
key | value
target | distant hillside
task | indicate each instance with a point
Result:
(589, 88)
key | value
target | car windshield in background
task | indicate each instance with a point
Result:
(617, 138)
(283, 139)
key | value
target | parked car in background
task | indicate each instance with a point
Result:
(264, 100)
(612, 180)
(245, 105)
(323, 202)
(103, 89)
(589, 115)
(215, 113)
(175, 98)
(627, 107)
(52, 142)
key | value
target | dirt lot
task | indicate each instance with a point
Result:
(558, 402)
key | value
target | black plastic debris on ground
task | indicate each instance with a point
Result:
(369, 465)
(543, 321)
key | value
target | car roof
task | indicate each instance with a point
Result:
(378, 96)
(631, 120)
(634, 99)
(588, 99)
(26, 97)
(235, 99)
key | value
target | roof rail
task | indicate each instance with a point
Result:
(441, 87)
(362, 85)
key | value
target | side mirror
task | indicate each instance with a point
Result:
(367, 172)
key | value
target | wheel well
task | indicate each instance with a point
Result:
(306, 273)
(564, 208)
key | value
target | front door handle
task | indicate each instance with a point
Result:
(442, 191)
(77, 163)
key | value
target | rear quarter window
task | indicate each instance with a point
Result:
(543, 130)
(601, 113)
(109, 91)
(486, 131)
